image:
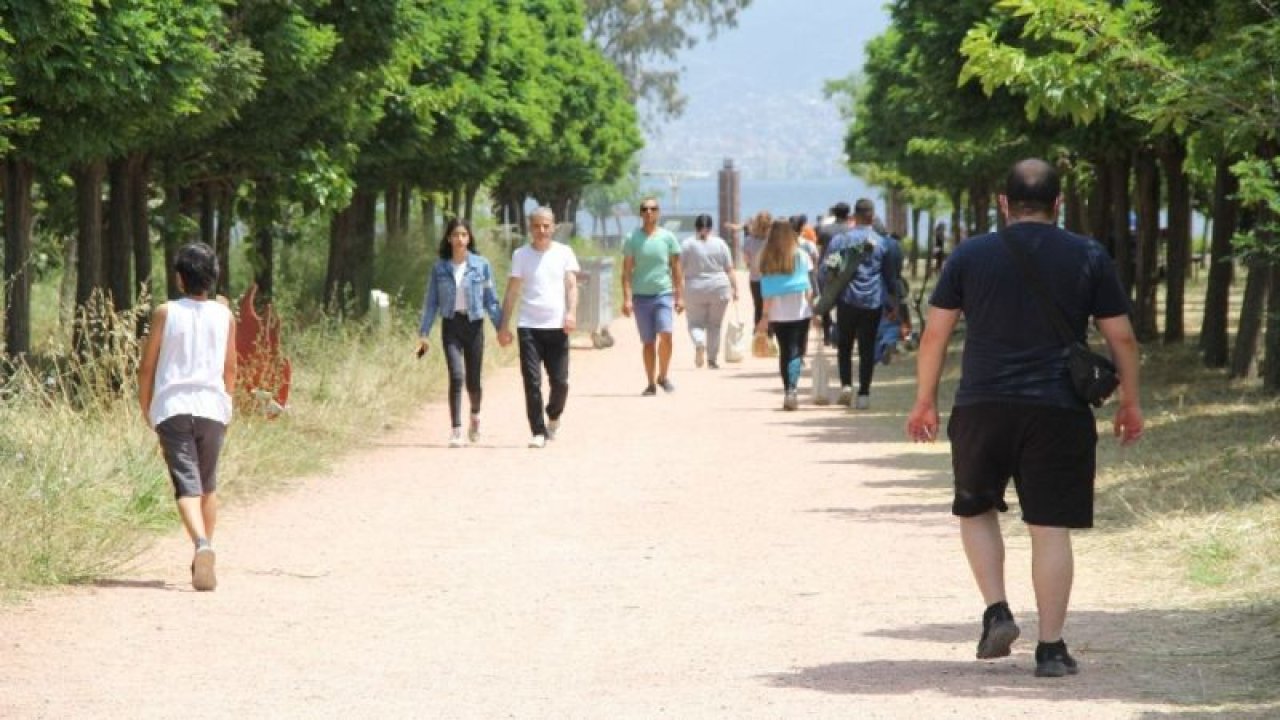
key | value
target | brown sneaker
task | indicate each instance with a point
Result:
(203, 578)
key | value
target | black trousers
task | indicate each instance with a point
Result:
(538, 348)
(860, 324)
(793, 341)
(463, 340)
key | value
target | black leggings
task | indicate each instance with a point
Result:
(544, 347)
(861, 324)
(793, 339)
(463, 354)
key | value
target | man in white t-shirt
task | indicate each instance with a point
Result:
(544, 280)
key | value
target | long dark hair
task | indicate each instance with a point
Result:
(446, 250)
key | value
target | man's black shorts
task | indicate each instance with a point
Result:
(1049, 452)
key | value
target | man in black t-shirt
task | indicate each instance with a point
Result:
(1016, 415)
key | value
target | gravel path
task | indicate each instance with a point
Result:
(694, 555)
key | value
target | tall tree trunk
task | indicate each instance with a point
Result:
(957, 221)
(171, 236)
(391, 214)
(1074, 213)
(406, 204)
(1148, 179)
(119, 246)
(88, 180)
(1178, 253)
(456, 203)
(913, 252)
(980, 203)
(1271, 354)
(140, 221)
(226, 221)
(469, 200)
(265, 216)
(362, 247)
(337, 283)
(1122, 246)
(1256, 288)
(17, 256)
(1217, 297)
(430, 208)
(208, 214)
(1100, 206)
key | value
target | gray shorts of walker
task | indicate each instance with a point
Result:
(191, 447)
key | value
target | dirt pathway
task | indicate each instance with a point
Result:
(695, 555)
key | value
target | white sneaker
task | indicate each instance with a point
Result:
(473, 430)
(862, 403)
(846, 395)
(700, 356)
(790, 401)
(455, 438)
(538, 441)
(553, 427)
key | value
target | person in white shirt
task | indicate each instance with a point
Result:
(185, 380)
(544, 282)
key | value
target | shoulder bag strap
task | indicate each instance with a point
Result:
(1050, 309)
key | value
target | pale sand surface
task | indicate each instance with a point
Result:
(695, 555)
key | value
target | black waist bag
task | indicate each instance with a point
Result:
(1093, 376)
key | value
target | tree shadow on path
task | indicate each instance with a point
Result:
(1201, 659)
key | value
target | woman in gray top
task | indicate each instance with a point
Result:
(709, 284)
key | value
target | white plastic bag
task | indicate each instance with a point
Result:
(735, 337)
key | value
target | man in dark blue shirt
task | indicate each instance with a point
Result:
(1016, 415)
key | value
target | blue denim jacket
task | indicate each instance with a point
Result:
(442, 293)
(870, 284)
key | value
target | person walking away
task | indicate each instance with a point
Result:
(652, 291)
(544, 283)
(709, 285)
(185, 379)
(838, 223)
(753, 242)
(861, 303)
(460, 291)
(1016, 414)
(788, 297)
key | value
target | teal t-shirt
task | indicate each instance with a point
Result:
(652, 254)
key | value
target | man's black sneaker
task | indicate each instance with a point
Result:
(1053, 660)
(998, 631)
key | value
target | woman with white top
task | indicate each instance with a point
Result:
(460, 291)
(709, 284)
(788, 297)
(185, 380)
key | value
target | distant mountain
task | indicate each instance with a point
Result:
(755, 92)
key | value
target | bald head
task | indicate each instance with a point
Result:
(1032, 188)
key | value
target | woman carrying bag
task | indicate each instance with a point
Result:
(709, 284)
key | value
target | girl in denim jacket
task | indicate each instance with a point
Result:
(461, 291)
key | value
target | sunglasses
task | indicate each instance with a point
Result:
(648, 208)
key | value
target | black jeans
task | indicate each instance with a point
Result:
(861, 324)
(544, 347)
(463, 354)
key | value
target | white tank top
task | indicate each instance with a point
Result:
(193, 353)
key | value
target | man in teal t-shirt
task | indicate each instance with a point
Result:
(651, 290)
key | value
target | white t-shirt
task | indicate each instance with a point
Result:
(542, 293)
(193, 352)
(460, 291)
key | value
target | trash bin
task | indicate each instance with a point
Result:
(595, 299)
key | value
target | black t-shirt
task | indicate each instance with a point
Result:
(1011, 351)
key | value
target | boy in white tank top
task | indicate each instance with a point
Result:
(185, 380)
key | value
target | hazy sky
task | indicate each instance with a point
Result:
(779, 47)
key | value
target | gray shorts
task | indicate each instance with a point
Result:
(191, 446)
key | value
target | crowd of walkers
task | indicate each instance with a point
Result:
(1017, 414)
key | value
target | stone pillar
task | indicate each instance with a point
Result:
(730, 207)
